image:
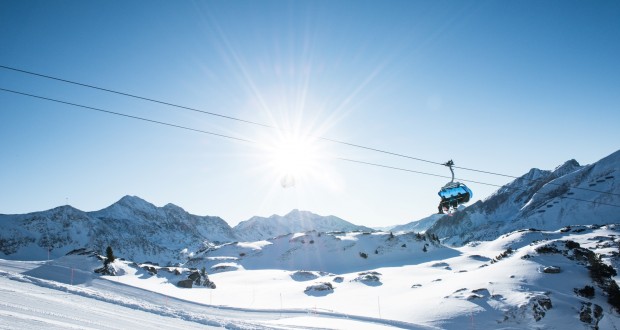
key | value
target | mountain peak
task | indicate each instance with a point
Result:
(534, 174)
(568, 167)
(127, 205)
(258, 228)
(66, 209)
(134, 202)
(175, 207)
(298, 213)
(131, 199)
(541, 200)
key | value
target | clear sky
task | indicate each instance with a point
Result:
(501, 86)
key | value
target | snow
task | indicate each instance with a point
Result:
(25, 305)
(450, 288)
(420, 226)
(259, 228)
(569, 195)
(253, 245)
(492, 278)
(138, 229)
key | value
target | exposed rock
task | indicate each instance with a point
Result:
(195, 276)
(304, 275)
(224, 267)
(207, 283)
(106, 270)
(482, 292)
(371, 273)
(369, 278)
(586, 292)
(540, 305)
(440, 264)
(185, 284)
(152, 270)
(572, 244)
(81, 252)
(479, 258)
(590, 314)
(552, 270)
(321, 288)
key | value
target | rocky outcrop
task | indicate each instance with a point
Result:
(188, 284)
(590, 314)
(196, 278)
(324, 287)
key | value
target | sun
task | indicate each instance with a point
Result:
(293, 157)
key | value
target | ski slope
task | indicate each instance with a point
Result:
(49, 300)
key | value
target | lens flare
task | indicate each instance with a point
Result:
(293, 158)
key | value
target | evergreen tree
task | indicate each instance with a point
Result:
(109, 255)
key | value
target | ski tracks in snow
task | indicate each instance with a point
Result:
(20, 308)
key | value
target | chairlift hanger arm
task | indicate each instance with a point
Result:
(450, 163)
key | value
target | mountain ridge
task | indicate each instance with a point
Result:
(571, 194)
(134, 227)
(139, 230)
(260, 228)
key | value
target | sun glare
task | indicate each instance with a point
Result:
(293, 158)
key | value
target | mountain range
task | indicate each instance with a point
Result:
(540, 253)
(260, 228)
(142, 231)
(569, 195)
(135, 228)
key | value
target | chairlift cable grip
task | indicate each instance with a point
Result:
(450, 163)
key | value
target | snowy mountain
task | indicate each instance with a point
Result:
(134, 228)
(335, 252)
(524, 266)
(420, 226)
(260, 228)
(569, 195)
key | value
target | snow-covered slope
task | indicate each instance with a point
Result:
(134, 228)
(259, 228)
(571, 194)
(522, 280)
(420, 226)
(335, 252)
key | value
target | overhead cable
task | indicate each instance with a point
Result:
(274, 127)
(254, 142)
(472, 181)
(126, 115)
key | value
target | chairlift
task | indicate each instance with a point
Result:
(453, 193)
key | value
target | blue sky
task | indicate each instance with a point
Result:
(497, 86)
